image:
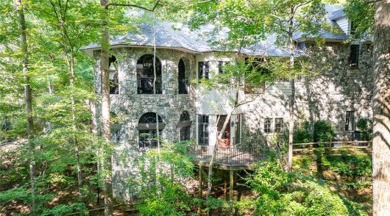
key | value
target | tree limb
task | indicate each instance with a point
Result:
(133, 5)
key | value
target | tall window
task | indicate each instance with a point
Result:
(203, 70)
(185, 126)
(350, 121)
(203, 130)
(278, 125)
(238, 129)
(147, 127)
(354, 56)
(113, 75)
(183, 81)
(267, 125)
(147, 67)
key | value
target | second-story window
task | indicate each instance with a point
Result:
(149, 75)
(182, 78)
(221, 65)
(354, 56)
(255, 75)
(203, 70)
(113, 75)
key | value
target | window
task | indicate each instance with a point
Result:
(149, 75)
(278, 125)
(255, 75)
(350, 121)
(203, 130)
(113, 75)
(147, 127)
(238, 129)
(354, 56)
(221, 65)
(224, 142)
(267, 125)
(203, 70)
(185, 126)
(183, 81)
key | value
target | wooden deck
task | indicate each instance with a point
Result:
(233, 158)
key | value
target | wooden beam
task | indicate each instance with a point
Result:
(200, 181)
(231, 173)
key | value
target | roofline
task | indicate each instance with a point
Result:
(89, 51)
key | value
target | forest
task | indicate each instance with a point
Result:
(69, 147)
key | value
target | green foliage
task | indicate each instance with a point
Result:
(323, 131)
(283, 193)
(350, 165)
(62, 209)
(364, 24)
(162, 173)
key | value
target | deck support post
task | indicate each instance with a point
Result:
(200, 181)
(231, 173)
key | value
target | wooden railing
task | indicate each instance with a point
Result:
(333, 145)
(233, 156)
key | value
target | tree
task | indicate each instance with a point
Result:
(381, 146)
(28, 98)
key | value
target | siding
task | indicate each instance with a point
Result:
(343, 24)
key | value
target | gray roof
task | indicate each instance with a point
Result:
(167, 35)
(333, 12)
(178, 36)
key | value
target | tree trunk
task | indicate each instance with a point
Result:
(292, 96)
(381, 142)
(105, 109)
(28, 100)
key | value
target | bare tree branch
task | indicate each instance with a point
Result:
(133, 5)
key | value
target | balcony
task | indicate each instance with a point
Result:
(233, 158)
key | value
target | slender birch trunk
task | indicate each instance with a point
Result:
(292, 86)
(105, 109)
(28, 101)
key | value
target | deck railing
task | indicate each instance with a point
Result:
(233, 156)
(333, 145)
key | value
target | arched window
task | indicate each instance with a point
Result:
(113, 73)
(182, 78)
(185, 126)
(147, 67)
(147, 127)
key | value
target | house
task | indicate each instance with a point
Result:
(155, 91)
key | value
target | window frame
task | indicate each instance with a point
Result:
(278, 125)
(203, 70)
(267, 125)
(203, 130)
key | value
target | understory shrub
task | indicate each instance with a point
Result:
(290, 193)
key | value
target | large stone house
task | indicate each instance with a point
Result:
(155, 90)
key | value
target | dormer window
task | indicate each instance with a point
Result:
(354, 56)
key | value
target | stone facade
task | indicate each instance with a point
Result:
(330, 89)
